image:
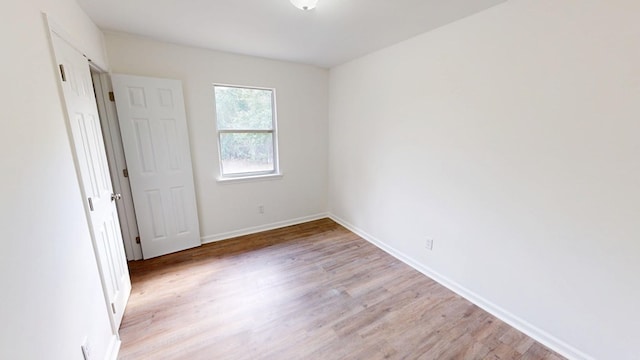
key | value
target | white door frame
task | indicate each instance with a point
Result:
(117, 164)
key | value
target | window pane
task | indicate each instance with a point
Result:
(246, 152)
(242, 108)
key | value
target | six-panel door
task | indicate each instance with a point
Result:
(156, 145)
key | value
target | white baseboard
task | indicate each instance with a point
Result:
(114, 348)
(260, 228)
(537, 334)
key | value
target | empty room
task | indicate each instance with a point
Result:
(320, 179)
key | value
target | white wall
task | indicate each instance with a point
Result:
(302, 100)
(51, 292)
(512, 138)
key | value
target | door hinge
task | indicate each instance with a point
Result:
(113, 307)
(112, 97)
(90, 204)
(125, 172)
(137, 239)
(62, 73)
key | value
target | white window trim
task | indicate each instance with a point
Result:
(249, 176)
(253, 178)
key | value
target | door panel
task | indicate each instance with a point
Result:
(95, 183)
(153, 125)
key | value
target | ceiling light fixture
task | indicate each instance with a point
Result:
(304, 4)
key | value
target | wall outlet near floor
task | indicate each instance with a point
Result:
(428, 244)
(86, 350)
(260, 209)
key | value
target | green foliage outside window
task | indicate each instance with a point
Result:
(244, 109)
(245, 124)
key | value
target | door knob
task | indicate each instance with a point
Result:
(116, 197)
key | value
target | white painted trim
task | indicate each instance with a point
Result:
(114, 349)
(522, 325)
(241, 179)
(54, 27)
(256, 229)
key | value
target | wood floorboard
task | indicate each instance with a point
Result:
(310, 291)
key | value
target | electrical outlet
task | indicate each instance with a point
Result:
(429, 244)
(86, 350)
(260, 209)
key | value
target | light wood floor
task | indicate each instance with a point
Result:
(311, 291)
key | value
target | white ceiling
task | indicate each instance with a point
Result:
(335, 32)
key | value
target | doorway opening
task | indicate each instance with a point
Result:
(117, 163)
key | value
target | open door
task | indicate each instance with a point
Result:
(93, 174)
(153, 125)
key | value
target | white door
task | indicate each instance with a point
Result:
(153, 125)
(91, 163)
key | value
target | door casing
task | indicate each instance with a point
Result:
(117, 164)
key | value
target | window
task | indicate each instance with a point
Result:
(246, 125)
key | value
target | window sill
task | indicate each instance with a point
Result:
(241, 179)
